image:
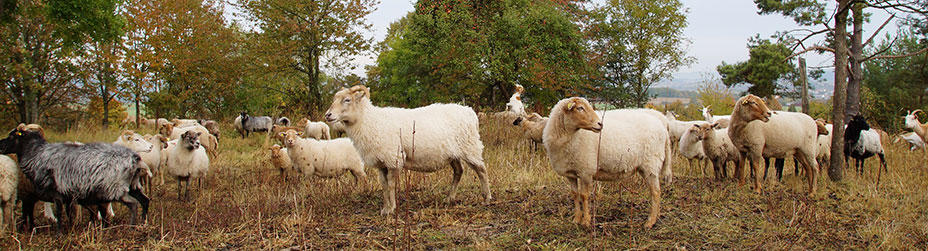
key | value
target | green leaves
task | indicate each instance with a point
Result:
(765, 68)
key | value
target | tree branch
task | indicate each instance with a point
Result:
(820, 48)
(878, 30)
(799, 43)
(923, 50)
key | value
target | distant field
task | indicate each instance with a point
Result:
(244, 204)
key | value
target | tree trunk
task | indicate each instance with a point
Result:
(836, 170)
(805, 85)
(855, 77)
(137, 114)
(106, 105)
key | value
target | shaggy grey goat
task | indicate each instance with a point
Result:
(251, 124)
(89, 174)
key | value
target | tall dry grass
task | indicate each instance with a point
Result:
(244, 204)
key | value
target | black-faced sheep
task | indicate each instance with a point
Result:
(445, 134)
(633, 141)
(860, 143)
(246, 124)
(89, 174)
(186, 160)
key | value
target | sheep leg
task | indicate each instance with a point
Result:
(586, 189)
(810, 166)
(880, 168)
(179, 186)
(778, 163)
(143, 200)
(103, 214)
(575, 196)
(133, 205)
(358, 174)
(756, 164)
(28, 210)
(187, 189)
(457, 170)
(481, 169)
(387, 183)
(716, 167)
(655, 187)
(739, 170)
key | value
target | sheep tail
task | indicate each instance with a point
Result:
(666, 170)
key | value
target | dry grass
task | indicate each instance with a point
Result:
(243, 204)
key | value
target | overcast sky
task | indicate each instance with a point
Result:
(718, 29)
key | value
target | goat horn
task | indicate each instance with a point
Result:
(917, 110)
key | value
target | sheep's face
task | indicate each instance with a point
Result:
(14, 142)
(136, 142)
(191, 140)
(290, 137)
(167, 129)
(275, 151)
(157, 141)
(820, 126)
(344, 102)
(858, 121)
(753, 108)
(579, 114)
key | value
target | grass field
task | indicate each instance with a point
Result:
(244, 204)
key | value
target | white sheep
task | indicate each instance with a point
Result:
(9, 179)
(515, 102)
(316, 130)
(532, 127)
(824, 144)
(632, 141)
(184, 122)
(691, 149)
(186, 160)
(209, 142)
(717, 147)
(324, 158)
(280, 158)
(773, 136)
(445, 134)
(722, 120)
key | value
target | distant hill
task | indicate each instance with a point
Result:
(690, 81)
(665, 92)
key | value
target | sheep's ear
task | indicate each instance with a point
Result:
(282, 134)
(571, 105)
(360, 91)
(716, 125)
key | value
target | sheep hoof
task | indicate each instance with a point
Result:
(649, 224)
(386, 211)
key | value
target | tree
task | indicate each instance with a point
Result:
(103, 75)
(640, 43)
(37, 71)
(76, 20)
(766, 70)
(299, 36)
(895, 84)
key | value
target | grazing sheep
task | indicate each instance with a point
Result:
(283, 121)
(186, 161)
(862, 142)
(515, 102)
(915, 142)
(9, 179)
(245, 124)
(445, 134)
(324, 158)
(212, 126)
(318, 130)
(774, 136)
(532, 128)
(717, 146)
(89, 174)
(583, 148)
(209, 142)
(280, 158)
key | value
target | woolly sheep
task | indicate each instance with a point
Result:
(862, 142)
(532, 127)
(209, 142)
(690, 149)
(212, 126)
(186, 160)
(184, 122)
(323, 158)
(773, 136)
(284, 121)
(280, 158)
(383, 136)
(824, 144)
(717, 146)
(629, 141)
(246, 124)
(9, 179)
(89, 174)
(318, 130)
(277, 132)
(515, 102)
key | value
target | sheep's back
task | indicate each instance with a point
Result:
(9, 178)
(785, 133)
(97, 170)
(185, 163)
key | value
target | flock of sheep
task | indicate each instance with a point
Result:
(583, 145)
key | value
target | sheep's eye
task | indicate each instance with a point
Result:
(347, 100)
(580, 109)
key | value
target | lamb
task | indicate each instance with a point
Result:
(324, 158)
(717, 146)
(774, 136)
(723, 120)
(383, 136)
(89, 174)
(210, 142)
(245, 124)
(9, 179)
(915, 142)
(630, 141)
(515, 102)
(212, 126)
(318, 130)
(284, 121)
(862, 142)
(186, 160)
(184, 122)
(532, 127)
(824, 143)
(280, 158)
(692, 149)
